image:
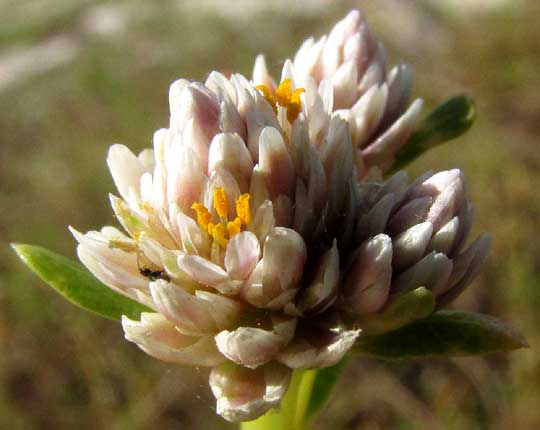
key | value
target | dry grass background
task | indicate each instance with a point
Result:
(76, 76)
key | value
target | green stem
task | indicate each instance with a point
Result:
(303, 398)
(291, 414)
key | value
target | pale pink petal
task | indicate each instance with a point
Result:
(126, 170)
(198, 103)
(345, 82)
(444, 239)
(288, 72)
(433, 272)
(448, 191)
(400, 81)
(376, 70)
(242, 255)
(202, 270)
(185, 177)
(147, 159)
(410, 246)
(263, 221)
(221, 87)
(110, 258)
(253, 346)
(275, 163)
(194, 138)
(257, 188)
(230, 120)
(336, 40)
(367, 113)
(244, 394)
(279, 270)
(317, 103)
(261, 76)
(230, 152)
(367, 282)
(194, 240)
(159, 338)
(382, 151)
(194, 314)
(375, 221)
(338, 160)
(317, 348)
(175, 94)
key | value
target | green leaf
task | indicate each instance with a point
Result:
(403, 309)
(449, 120)
(325, 381)
(444, 333)
(76, 284)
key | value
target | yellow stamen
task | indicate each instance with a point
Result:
(221, 204)
(243, 210)
(284, 92)
(295, 105)
(295, 98)
(219, 233)
(203, 216)
(268, 95)
(234, 227)
(284, 97)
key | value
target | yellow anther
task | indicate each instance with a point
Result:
(203, 216)
(284, 92)
(284, 97)
(221, 204)
(268, 95)
(234, 227)
(295, 105)
(219, 233)
(295, 97)
(211, 227)
(243, 210)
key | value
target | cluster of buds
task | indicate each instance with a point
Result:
(259, 230)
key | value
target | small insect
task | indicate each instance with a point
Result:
(153, 275)
(147, 272)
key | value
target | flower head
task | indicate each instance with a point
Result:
(253, 233)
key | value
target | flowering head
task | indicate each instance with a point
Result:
(259, 230)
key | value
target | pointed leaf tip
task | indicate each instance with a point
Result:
(444, 333)
(76, 284)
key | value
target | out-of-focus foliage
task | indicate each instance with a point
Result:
(76, 76)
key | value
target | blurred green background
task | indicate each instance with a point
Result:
(77, 76)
